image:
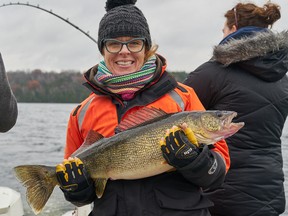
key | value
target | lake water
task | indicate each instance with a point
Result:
(38, 138)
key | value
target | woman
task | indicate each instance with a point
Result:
(247, 74)
(130, 77)
(8, 103)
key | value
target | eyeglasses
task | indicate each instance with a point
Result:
(115, 46)
(235, 16)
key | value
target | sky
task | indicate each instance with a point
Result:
(185, 30)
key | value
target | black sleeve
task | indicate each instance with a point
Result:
(81, 198)
(202, 80)
(8, 103)
(207, 170)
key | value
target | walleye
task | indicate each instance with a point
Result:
(132, 153)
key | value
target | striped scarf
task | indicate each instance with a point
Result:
(126, 85)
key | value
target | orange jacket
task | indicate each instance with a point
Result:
(99, 113)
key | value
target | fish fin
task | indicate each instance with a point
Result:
(39, 181)
(171, 170)
(100, 185)
(91, 138)
(143, 116)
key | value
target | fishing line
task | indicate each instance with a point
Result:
(52, 13)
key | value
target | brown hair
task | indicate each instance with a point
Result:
(150, 52)
(250, 14)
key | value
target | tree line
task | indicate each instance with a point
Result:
(51, 87)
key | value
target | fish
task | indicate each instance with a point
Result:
(132, 153)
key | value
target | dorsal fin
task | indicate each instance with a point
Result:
(92, 137)
(141, 117)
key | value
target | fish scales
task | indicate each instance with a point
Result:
(131, 157)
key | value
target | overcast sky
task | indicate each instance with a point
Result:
(185, 30)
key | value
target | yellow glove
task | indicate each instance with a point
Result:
(179, 146)
(72, 175)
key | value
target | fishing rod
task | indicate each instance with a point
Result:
(50, 12)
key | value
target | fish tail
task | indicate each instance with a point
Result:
(39, 181)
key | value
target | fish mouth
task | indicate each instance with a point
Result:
(227, 123)
(231, 127)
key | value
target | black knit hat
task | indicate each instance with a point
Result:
(122, 19)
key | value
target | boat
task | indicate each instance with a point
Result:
(79, 211)
(11, 205)
(10, 202)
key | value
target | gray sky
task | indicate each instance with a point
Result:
(185, 30)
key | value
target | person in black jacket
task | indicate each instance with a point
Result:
(247, 74)
(8, 103)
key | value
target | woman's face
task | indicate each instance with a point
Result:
(226, 30)
(124, 61)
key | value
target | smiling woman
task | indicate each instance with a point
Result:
(131, 77)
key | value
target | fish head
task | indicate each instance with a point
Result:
(212, 126)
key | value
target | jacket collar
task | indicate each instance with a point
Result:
(243, 32)
(262, 53)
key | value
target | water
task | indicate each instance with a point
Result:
(39, 138)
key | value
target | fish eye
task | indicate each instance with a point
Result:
(219, 114)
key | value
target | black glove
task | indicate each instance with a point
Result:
(72, 175)
(177, 149)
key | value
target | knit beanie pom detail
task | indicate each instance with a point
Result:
(110, 4)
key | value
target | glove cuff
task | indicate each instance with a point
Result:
(203, 160)
(80, 198)
(205, 169)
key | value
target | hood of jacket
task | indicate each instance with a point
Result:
(263, 54)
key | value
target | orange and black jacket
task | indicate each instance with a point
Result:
(180, 190)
